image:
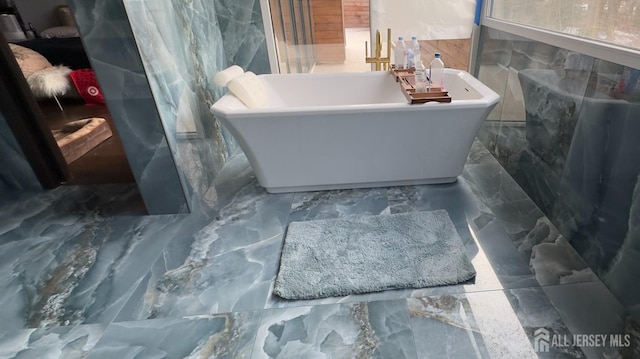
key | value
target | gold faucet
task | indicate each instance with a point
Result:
(382, 63)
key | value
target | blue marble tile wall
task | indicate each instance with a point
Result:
(566, 131)
(243, 34)
(16, 174)
(182, 45)
(111, 48)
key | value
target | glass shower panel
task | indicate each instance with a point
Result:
(300, 35)
(308, 33)
(277, 21)
(320, 36)
(440, 26)
(292, 29)
(290, 36)
(615, 22)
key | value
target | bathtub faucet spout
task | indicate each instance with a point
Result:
(382, 63)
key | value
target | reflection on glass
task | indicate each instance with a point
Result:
(292, 30)
(575, 152)
(616, 22)
(329, 36)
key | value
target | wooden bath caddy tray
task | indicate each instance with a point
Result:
(406, 79)
(79, 137)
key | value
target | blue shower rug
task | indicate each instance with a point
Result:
(361, 254)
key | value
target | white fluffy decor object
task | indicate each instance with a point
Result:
(50, 82)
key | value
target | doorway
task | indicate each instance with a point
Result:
(105, 162)
(51, 62)
(355, 25)
(294, 35)
(340, 28)
(320, 36)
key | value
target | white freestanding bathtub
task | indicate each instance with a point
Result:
(354, 130)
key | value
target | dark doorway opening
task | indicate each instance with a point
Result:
(42, 99)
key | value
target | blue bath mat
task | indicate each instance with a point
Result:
(361, 254)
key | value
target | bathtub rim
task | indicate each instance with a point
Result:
(229, 106)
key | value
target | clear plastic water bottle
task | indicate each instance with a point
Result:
(400, 54)
(421, 79)
(409, 57)
(414, 53)
(436, 73)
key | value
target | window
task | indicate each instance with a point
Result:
(611, 21)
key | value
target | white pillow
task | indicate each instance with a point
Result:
(249, 89)
(223, 77)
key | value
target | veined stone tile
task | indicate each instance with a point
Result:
(494, 324)
(357, 330)
(228, 335)
(588, 309)
(66, 263)
(59, 342)
(333, 204)
(228, 265)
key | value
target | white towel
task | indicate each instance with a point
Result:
(223, 77)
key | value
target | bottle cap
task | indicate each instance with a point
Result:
(437, 54)
(400, 38)
(414, 38)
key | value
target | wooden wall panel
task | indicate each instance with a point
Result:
(455, 53)
(328, 30)
(356, 13)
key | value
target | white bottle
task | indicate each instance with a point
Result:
(421, 79)
(414, 53)
(400, 54)
(436, 73)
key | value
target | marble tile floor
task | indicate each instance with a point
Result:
(83, 275)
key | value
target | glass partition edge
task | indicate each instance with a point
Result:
(269, 37)
(609, 52)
